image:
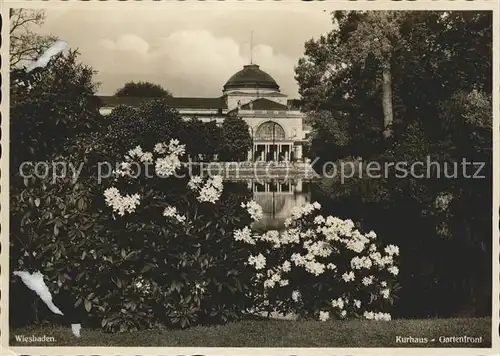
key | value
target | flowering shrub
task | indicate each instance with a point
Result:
(161, 249)
(322, 268)
(183, 266)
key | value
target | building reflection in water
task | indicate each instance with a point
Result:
(277, 198)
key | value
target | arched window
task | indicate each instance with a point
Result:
(270, 130)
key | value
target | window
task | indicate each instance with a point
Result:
(270, 130)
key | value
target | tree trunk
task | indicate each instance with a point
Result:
(387, 98)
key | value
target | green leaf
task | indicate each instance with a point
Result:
(81, 204)
(118, 282)
(37, 202)
(88, 305)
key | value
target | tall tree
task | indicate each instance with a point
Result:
(236, 139)
(143, 90)
(375, 37)
(202, 138)
(152, 122)
(51, 109)
(26, 45)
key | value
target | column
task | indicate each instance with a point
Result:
(262, 153)
(299, 151)
(298, 186)
(249, 155)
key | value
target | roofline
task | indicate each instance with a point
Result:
(251, 85)
(134, 100)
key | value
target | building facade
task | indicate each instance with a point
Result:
(277, 127)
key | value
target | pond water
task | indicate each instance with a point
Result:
(277, 199)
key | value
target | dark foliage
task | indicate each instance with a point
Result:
(143, 90)
(441, 77)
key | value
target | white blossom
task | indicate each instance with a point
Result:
(393, 270)
(348, 276)
(160, 148)
(147, 157)
(258, 261)
(175, 148)
(324, 315)
(135, 152)
(244, 235)
(269, 283)
(443, 200)
(331, 266)
(377, 316)
(254, 209)
(195, 182)
(290, 236)
(286, 267)
(284, 282)
(369, 315)
(210, 191)
(367, 280)
(171, 211)
(338, 303)
(121, 204)
(361, 262)
(318, 248)
(318, 220)
(166, 166)
(314, 267)
(392, 250)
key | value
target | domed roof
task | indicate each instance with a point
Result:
(251, 76)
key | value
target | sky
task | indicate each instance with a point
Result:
(190, 51)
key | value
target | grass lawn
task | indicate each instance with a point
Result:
(279, 333)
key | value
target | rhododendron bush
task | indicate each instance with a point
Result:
(183, 265)
(323, 268)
